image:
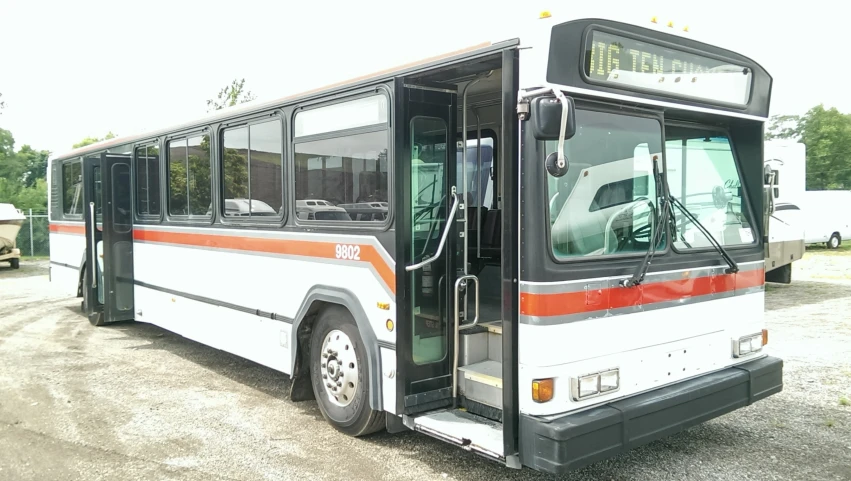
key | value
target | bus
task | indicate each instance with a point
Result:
(588, 277)
(785, 161)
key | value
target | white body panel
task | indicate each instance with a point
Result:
(67, 255)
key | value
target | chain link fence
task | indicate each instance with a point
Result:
(34, 239)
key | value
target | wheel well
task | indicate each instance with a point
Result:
(81, 280)
(837, 234)
(302, 389)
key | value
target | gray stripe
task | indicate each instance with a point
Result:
(281, 235)
(320, 260)
(69, 266)
(215, 302)
(586, 316)
(387, 345)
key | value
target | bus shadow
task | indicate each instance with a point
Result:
(248, 373)
(802, 293)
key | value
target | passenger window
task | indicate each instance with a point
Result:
(253, 170)
(606, 203)
(702, 174)
(344, 177)
(148, 180)
(189, 176)
(72, 188)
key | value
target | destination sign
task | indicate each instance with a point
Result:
(629, 63)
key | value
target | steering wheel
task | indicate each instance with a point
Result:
(609, 248)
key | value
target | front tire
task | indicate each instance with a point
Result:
(95, 317)
(338, 372)
(15, 263)
(834, 241)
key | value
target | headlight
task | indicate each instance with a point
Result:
(747, 345)
(590, 385)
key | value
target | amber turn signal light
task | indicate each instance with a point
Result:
(764, 337)
(542, 390)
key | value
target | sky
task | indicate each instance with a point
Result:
(72, 69)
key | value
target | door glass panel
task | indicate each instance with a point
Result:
(121, 217)
(428, 212)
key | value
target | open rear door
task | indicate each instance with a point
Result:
(109, 238)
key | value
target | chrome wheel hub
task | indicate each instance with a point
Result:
(339, 368)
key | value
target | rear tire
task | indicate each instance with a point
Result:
(15, 263)
(345, 403)
(834, 242)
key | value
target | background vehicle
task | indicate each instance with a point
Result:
(11, 220)
(787, 162)
(574, 295)
(827, 218)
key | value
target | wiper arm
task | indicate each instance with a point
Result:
(730, 262)
(659, 226)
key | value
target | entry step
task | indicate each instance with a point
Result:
(470, 432)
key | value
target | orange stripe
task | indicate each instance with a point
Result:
(68, 229)
(565, 303)
(324, 250)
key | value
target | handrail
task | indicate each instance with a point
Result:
(459, 327)
(449, 220)
(94, 245)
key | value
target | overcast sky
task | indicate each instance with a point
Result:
(71, 69)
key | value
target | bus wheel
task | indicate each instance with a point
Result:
(834, 241)
(15, 263)
(96, 317)
(338, 371)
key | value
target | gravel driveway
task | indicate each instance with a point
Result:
(132, 401)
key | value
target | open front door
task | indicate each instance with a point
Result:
(109, 238)
(430, 245)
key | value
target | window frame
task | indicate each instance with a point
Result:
(387, 127)
(186, 134)
(138, 216)
(593, 106)
(745, 198)
(253, 119)
(68, 162)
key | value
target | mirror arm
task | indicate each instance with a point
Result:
(564, 112)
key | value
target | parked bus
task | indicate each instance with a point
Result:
(571, 263)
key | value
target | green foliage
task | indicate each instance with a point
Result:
(22, 174)
(230, 95)
(92, 140)
(827, 135)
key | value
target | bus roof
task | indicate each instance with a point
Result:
(483, 48)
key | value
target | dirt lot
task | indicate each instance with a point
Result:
(132, 401)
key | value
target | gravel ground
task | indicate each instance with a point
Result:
(132, 401)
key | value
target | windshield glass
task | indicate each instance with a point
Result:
(605, 203)
(702, 174)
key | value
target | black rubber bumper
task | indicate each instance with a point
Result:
(575, 440)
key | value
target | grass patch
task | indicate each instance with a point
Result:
(822, 250)
(844, 401)
(829, 423)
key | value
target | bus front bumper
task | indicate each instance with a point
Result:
(558, 445)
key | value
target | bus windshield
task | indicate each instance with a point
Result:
(605, 203)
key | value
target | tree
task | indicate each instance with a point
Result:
(230, 95)
(827, 135)
(92, 140)
(34, 164)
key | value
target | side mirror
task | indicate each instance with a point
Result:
(546, 118)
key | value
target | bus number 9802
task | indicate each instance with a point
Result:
(344, 251)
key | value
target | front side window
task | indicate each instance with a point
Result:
(606, 203)
(189, 173)
(702, 174)
(72, 188)
(253, 170)
(148, 180)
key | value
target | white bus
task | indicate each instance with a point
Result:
(571, 263)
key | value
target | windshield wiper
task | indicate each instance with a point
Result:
(730, 262)
(659, 226)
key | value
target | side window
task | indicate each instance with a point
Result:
(605, 203)
(480, 185)
(148, 180)
(189, 175)
(72, 188)
(252, 168)
(702, 174)
(343, 177)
